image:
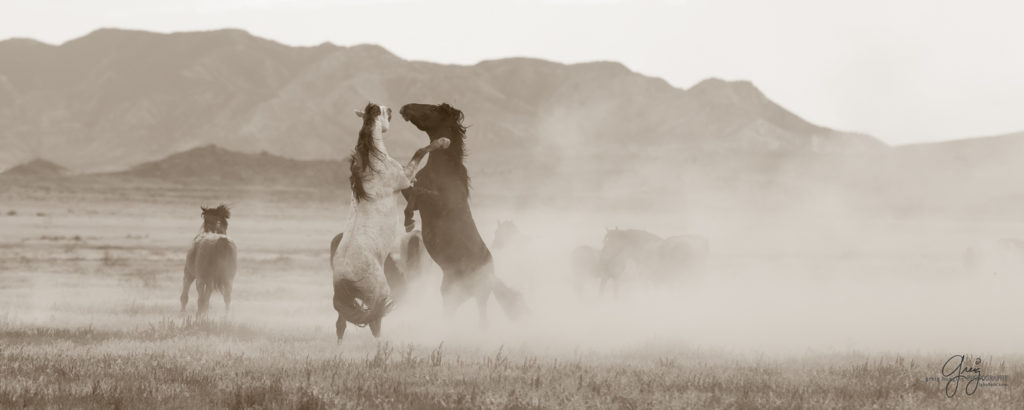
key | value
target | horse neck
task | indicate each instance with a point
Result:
(445, 160)
(377, 139)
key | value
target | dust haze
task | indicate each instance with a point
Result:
(792, 269)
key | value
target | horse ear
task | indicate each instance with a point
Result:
(359, 114)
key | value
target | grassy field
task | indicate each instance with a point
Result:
(89, 318)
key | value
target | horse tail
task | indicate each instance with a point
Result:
(227, 261)
(345, 294)
(510, 300)
(334, 247)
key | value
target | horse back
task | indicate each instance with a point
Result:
(215, 258)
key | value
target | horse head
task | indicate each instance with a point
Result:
(374, 115)
(442, 121)
(507, 233)
(431, 118)
(215, 220)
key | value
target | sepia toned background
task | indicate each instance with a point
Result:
(854, 167)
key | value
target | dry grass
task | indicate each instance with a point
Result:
(95, 323)
(222, 364)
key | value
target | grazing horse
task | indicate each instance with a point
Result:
(450, 234)
(211, 261)
(656, 259)
(362, 295)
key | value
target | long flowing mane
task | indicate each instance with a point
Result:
(457, 149)
(359, 161)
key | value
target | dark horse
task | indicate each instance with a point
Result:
(212, 260)
(441, 194)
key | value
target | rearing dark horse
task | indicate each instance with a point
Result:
(441, 194)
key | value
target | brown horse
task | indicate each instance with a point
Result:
(450, 234)
(211, 261)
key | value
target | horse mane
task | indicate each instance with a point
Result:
(359, 161)
(221, 211)
(457, 149)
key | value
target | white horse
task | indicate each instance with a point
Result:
(361, 292)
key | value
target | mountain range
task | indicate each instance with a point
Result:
(227, 107)
(116, 98)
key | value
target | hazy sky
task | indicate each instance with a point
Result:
(904, 71)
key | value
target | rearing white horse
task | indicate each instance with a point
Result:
(361, 292)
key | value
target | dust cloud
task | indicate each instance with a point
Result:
(793, 267)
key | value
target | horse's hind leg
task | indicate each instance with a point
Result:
(226, 292)
(375, 327)
(186, 283)
(339, 327)
(205, 290)
(341, 324)
(482, 297)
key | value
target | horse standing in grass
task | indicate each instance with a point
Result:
(212, 261)
(362, 295)
(450, 234)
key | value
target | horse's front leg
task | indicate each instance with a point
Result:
(186, 283)
(410, 168)
(410, 210)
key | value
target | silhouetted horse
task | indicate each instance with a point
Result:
(506, 235)
(211, 261)
(656, 259)
(451, 237)
(362, 295)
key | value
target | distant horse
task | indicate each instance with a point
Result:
(506, 235)
(655, 259)
(211, 261)
(450, 234)
(361, 292)
(403, 265)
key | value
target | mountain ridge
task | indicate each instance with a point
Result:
(115, 98)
